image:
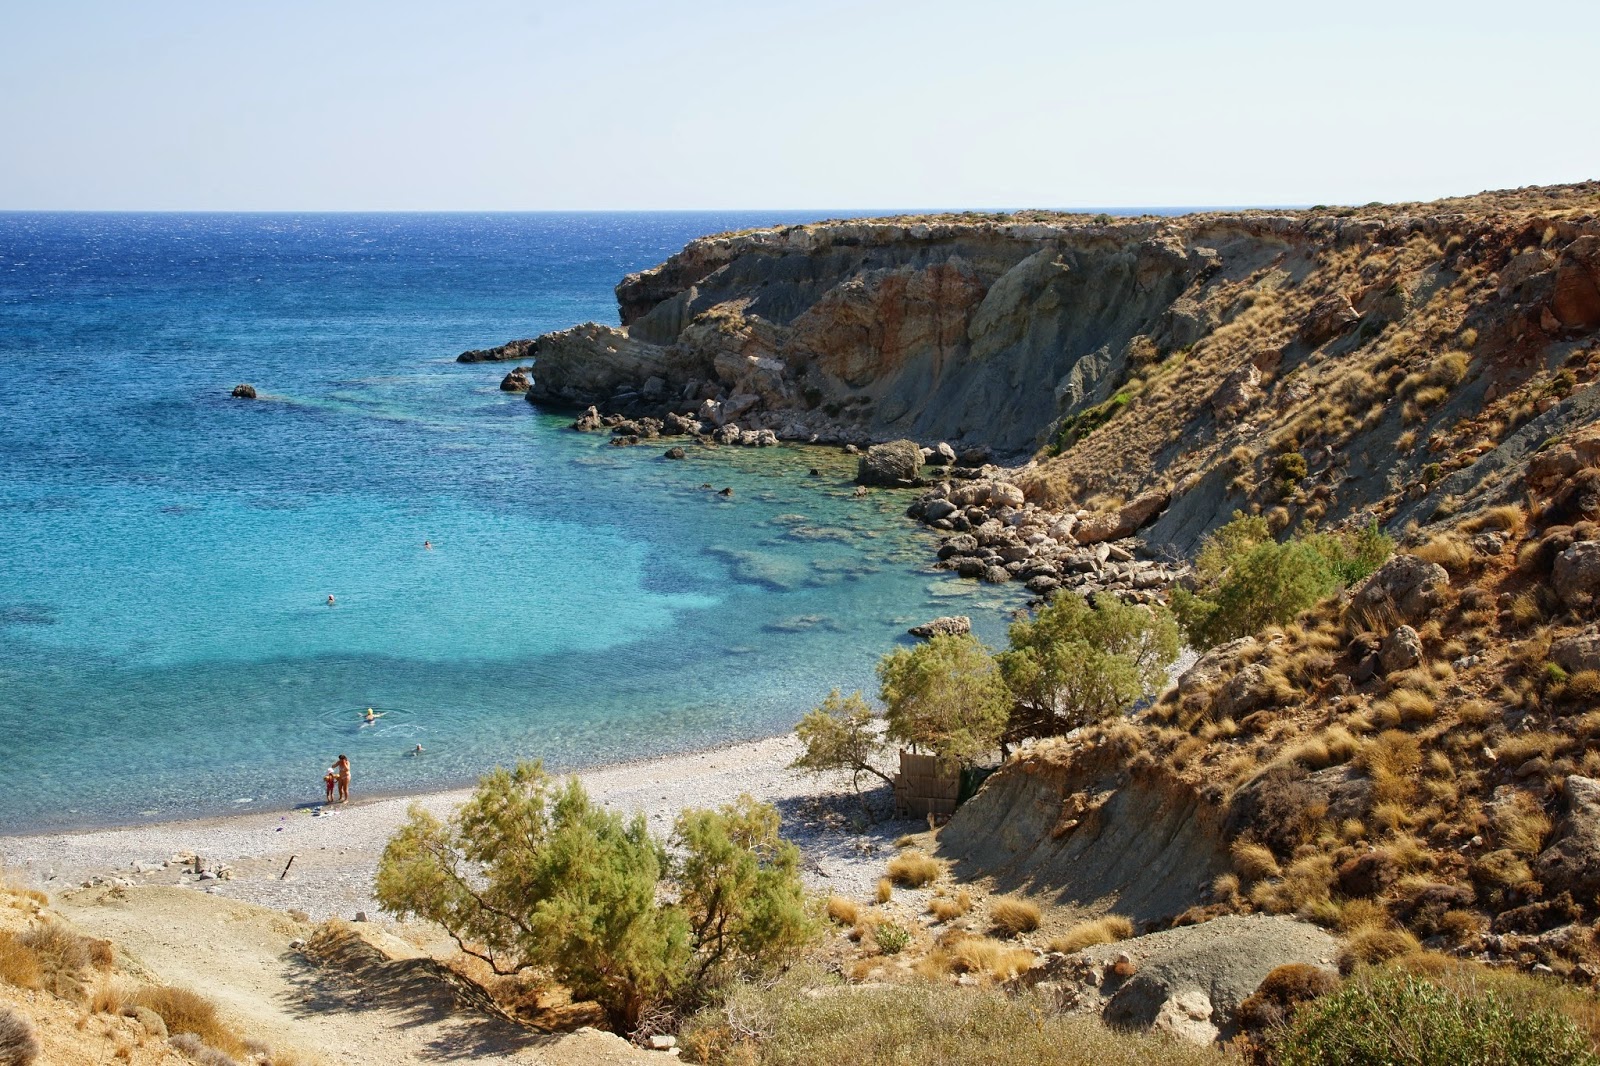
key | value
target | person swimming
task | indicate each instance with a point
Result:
(428, 544)
(330, 599)
(417, 750)
(372, 716)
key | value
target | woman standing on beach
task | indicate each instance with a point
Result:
(343, 766)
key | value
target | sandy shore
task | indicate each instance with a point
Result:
(336, 853)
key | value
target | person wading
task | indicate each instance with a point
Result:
(344, 778)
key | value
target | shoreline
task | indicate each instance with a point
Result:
(334, 855)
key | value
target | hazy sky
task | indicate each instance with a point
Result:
(483, 104)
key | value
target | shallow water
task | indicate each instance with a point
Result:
(166, 552)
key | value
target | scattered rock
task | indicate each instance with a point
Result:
(1401, 650)
(895, 464)
(675, 453)
(1405, 585)
(244, 392)
(1577, 653)
(1576, 576)
(1125, 522)
(1576, 300)
(517, 381)
(945, 626)
(1572, 862)
(1329, 317)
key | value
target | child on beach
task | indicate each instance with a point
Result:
(330, 779)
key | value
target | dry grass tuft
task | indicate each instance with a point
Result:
(949, 908)
(843, 911)
(1255, 862)
(19, 966)
(1521, 825)
(189, 1012)
(1014, 916)
(885, 890)
(1372, 944)
(913, 869)
(989, 957)
(1107, 930)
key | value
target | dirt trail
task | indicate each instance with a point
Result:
(389, 1006)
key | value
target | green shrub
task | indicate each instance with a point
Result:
(841, 736)
(1404, 1020)
(892, 938)
(945, 695)
(1246, 581)
(531, 873)
(1072, 663)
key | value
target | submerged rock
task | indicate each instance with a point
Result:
(244, 392)
(944, 626)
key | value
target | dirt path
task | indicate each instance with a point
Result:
(387, 1006)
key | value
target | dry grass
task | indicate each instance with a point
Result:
(1449, 550)
(913, 869)
(19, 965)
(885, 890)
(988, 957)
(1521, 825)
(188, 1012)
(1014, 916)
(843, 911)
(1107, 930)
(1374, 944)
(949, 908)
(1254, 862)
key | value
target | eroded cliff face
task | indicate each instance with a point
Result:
(1380, 363)
(969, 331)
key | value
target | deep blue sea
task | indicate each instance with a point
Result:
(166, 552)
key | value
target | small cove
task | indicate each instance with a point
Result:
(165, 645)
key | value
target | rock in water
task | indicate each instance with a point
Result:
(675, 453)
(516, 381)
(946, 626)
(244, 392)
(895, 464)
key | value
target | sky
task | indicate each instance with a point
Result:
(712, 104)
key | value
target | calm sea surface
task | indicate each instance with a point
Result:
(166, 552)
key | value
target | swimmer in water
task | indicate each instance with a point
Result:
(330, 599)
(428, 544)
(371, 716)
(417, 750)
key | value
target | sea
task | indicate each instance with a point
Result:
(167, 552)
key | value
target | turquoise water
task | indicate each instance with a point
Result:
(166, 552)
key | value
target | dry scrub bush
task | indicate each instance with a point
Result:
(913, 869)
(809, 1020)
(844, 911)
(1014, 916)
(1449, 550)
(1107, 930)
(986, 956)
(186, 1012)
(949, 908)
(1255, 862)
(1521, 825)
(1374, 944)
(19, 966)
(18, 1044)
(885, 890)
(1506, 518)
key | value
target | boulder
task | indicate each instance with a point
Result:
(675, 424)
(894, 464)
(244, 392)
(944, 454)
(1238, 392)
(937, 509)
(1329, 317)
(1208, 669)
(961, 544)
(1572, 862)
(512, 351)
(516, 381)
(1401, 650)
(1576, 576)
(1577, 653)
(1124, 522)
(1405, 585)
(1190, 981)
(997, 575)
(589, 422)
(1576, 301)
(675, 453)
(1244, 692)
(945, 626)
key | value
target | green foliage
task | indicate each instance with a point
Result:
(945, 695)
(1246, 581)
(1072, 663)
(530, 873)
(1290, 466)
(891, 937)
(1085, 422)
(1403, 1020)
(841, 736)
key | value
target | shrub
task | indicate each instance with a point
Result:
(1254, 861)
(885, 890)
(1282, 991)
(1402, 1019)
(529, 872)
(807, 1019)
(946, 695)
(948, 908)
(891, 937)
(842, 736)
(1246, 581)
(19, 966)
(1371, 944)
(1014, 916)
(1107, 930)
(913, 868)
(987, 956)
(60, 955)
(1073, 663)
(18, 1044)
(1521, 825)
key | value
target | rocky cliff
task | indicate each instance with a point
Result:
(1326, 364)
